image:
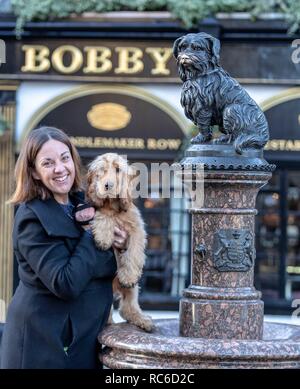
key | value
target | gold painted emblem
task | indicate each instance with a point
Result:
(109, 116)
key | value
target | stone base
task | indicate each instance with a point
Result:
(129, 347)
(221, 319)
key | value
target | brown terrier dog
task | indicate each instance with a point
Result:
(109, 191)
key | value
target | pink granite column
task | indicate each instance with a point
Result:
(221, 301)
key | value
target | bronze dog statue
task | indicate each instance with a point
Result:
(211, 97)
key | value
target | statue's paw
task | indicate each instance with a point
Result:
(222, 139)
(200, 138)
(238, 149)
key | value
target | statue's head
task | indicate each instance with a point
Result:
(196, 53)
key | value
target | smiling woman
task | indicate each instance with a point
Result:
(55, 168)
(45, 158)
(65, 292)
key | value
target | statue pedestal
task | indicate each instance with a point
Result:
(221, 302)
(221, 314)
(128, 347)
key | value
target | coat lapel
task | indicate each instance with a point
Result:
(53, 218)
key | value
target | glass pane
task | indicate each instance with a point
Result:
(168, 231)
(267, 239)
(293, 241)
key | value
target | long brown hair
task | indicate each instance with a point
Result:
(28, 188)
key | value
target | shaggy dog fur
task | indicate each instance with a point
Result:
(211, 97)
(109, 191)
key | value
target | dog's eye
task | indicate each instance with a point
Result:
(183, 46)
(117, 170)
(197, 48)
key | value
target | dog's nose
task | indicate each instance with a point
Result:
(184, 56)
(108, 185)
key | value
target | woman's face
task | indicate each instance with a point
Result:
(54, 166)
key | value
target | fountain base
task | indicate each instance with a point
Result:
(129, 347)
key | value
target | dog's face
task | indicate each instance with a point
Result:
(109, 177)
(196, 53)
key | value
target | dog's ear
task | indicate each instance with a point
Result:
(175, 46)
(124, 204)
(89, 182)
(89, 177)
(215, 48)
(98, 203)
(126, 182)
(90, 192)
(181, 69)
(132, 173)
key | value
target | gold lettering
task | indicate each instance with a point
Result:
(160, 57)
(283, 145)
(271, 145)
(173, 144)
(127, 56)
(140, 143)
(127, 143)
(108, 143)
(289, 145)
(58, 56)
(151, 144)
(36, 59)
(163, 144)
(68, 59)
(97, 59)
(82, 141)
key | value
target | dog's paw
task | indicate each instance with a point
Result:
(127, 286)
(103, 245)
(223, 139)
(145, 323)
(238, 149)
(200, 138)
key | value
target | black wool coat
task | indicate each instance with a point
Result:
(65, 292)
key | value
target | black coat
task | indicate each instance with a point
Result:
(64, 295)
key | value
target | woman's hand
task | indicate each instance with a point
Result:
(85, 215)
(120, 239)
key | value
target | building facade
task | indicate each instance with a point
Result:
(112, 85)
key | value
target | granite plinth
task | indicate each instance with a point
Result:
(129, 347)
(217, 319)
(221, 301)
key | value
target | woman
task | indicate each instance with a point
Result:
(65, 292)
